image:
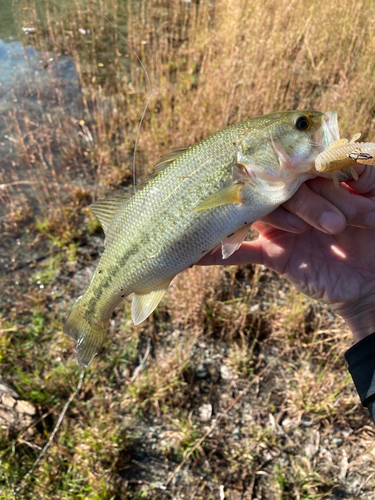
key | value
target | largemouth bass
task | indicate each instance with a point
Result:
(198, 198)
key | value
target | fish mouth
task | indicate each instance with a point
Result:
(330, 129)
(324, 137)
(327, 133)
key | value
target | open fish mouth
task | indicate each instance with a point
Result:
(324, 137)
(328, 132)
(331, 129)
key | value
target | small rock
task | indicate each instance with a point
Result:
(205, 412)
(15, 414)
(337, 441)
(25, 407)
(306, 422)
(8, 401)
(225, 372)
(6, 418)
(28, 30)
(5, 387)
(201, 371)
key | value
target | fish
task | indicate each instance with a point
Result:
(197, 199)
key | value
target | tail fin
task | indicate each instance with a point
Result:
(89, 335)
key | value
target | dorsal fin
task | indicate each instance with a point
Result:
(162, 164)
(167, 159)
(107, 208)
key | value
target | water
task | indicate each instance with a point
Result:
(46, 55)
(47, 128)
(71, 96)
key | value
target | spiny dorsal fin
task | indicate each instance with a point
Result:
(162, 164)
(168, 158)
(107, 208)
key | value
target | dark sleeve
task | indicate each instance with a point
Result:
(361, 364)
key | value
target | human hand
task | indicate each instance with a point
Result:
(323, 241)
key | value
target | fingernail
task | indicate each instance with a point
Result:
(331, 222)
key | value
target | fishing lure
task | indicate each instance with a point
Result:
(343, 155)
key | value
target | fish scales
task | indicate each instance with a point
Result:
(208, 195)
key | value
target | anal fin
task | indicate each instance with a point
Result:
(145, 303)
(233, 242)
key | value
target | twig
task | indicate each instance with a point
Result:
(45, 415)
(47, 445)
(142, 362)
(234, 402)
(32, 445)
(15, 183)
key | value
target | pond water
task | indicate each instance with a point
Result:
(72, 92)
(63, 61)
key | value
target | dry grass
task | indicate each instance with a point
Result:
(298, 432)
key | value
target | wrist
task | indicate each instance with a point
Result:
(360, 317)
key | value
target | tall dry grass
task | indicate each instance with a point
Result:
(209, 66)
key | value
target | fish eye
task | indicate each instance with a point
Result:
(303, 123)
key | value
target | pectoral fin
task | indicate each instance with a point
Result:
(234, 241)
(144, 303)
(231, 194)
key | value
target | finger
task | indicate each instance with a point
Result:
(286, 221)
(359, 211)
(366, 182)
(316, 210)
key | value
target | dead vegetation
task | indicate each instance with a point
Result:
(67, 136)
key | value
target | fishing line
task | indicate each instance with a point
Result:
(59, 421)
(151, 94)
(148, 100)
